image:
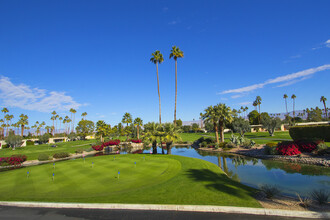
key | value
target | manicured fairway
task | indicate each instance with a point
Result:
(155, 179)
(32, 152)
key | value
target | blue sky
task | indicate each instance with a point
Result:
(94, 56)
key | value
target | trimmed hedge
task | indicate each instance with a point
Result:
(28, 143)
(61, 155)
(43, 157)
(311, 133)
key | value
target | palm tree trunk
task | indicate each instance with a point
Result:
(169, 148)
(286, 106)
(216, 132)
(325, 109)
(154, 147)
(222, 133)
(160, 115)
(161, 145)
(293, 113)
(259, 115)
(138, 133)
(22, 130)
(176, 89)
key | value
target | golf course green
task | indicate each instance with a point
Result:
(143, 179)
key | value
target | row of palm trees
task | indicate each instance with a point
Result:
(6, 123)
(157, 58)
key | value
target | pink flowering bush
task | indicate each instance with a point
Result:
(15, 160)
(137, 141)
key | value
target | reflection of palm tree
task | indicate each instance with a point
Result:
(225, 168)
(219, 161)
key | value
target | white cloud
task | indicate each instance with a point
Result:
(327, 43)
(289, 79)
(24, 97)
(172, 22)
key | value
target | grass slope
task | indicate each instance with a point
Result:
(32, 152)
(157, 179)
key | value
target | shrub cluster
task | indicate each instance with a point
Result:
(137, 141)
(28, 143)
(43, 157)
(15, 160)
(61, 155)
(306, 146)
(79, 151)
(288, 148)
(322, 149)
(320, 132)
(270, 148)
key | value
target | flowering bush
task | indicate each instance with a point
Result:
(98, 147)
(306, 146)
(15, 160)
(288, 148)
(137, 141)
(110, 143)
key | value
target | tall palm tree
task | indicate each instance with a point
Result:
(4, 111)
(23, 122)
(138, 123)
(293, 97)
(127, 118)
(73, 111)
(84, 115)
(53, 119)
(1, 128)
(60, 120)
(255, 104)
(156, 58)
(176, 53)
(56, 117)
(285, 96)
(42, 125)
(246, 110)
(324, 99)
(258, 101)
(210, 116)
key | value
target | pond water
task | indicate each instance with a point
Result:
(291, 178)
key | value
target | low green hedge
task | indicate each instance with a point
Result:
(310, 133)
(43, 157)
(61, 155)
(28, 143)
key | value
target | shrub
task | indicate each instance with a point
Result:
(15, 160)
(79, 151)
(321, 196)
(270, 150)
(270, 190)
(137, 141)
(43, 157)
(320, 132)
(4, 146)
(288, 148)
(61, 155)
(110, 143)
(304, 202)
(89, 149)
(231, 145)
(306, 146)
(222, 145)
(271, 144)
(28, 143)
(98, 147)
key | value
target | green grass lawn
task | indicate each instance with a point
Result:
(157, 179)
(32, 152)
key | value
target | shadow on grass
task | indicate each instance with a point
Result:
(220, 182)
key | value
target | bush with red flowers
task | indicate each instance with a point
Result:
(111, 143)
(136, 141)
(98, 147)
(288, 148)
(306, 146)
(15, 160)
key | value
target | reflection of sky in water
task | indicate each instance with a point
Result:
(288, 179)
